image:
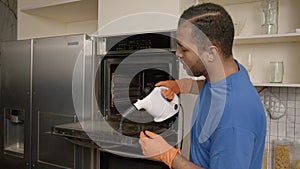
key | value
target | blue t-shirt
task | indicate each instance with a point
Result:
(228, 124)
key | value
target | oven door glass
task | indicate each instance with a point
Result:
(124, 79)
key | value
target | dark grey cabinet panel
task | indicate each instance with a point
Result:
(36, 94)
(15, 104)
(53, 65)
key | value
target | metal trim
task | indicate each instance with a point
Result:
(30, 102)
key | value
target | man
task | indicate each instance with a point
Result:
(228, 124)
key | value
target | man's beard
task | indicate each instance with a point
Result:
(195, 69)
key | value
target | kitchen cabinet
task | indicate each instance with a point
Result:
(46, 18)
(136, 16)
(60, 17)
(264, 48)
(64, 10)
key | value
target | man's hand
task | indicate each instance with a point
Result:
(175, 86)
(155, 147)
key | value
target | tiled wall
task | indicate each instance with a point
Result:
(288, 126)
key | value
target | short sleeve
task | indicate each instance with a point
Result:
(231, 148)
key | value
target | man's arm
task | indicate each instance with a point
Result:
(155, 147)
(181, 86)
(196, 86)
(180, 162)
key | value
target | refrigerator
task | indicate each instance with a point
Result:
(15, 104)
(36, 94)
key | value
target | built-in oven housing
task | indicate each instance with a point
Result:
(120, 72)
(129, 65)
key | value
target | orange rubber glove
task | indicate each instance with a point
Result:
(155, 147)
(175, 86)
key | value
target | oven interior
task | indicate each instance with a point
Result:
(123, 81)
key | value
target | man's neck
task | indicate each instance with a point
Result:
(223, 69)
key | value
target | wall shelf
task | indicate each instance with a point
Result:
(66, 11)
(274, 38)
(276, 84)
(265, 48)
(231, 2)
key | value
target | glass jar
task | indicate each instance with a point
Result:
(264, 160)
(282, 154)
(269, 16)
(296, 155)
(276, 70)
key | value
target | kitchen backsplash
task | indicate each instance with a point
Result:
(287, 126)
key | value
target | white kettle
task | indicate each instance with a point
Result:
(157, 105)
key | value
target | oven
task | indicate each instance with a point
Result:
(130, 66)
(123, 68)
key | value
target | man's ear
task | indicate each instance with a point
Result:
(212, 53)
(214, 50)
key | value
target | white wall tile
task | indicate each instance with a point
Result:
(297, 130)
(291, 104)
(290, 111)
(291, 130)
(288, 126)
(297, 120)
(298, 104)
(291, 96)
(283, 90)
(275, 89)
(298, 96)
(283, 96)
(274, 128)
(291, 90)
(298, 112)
(291, 119)
(282, 130)
(298, 90)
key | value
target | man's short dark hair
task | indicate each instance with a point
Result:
(215, 22)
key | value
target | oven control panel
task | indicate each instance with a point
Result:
(129, 43)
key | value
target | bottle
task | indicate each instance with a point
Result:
(269, 16)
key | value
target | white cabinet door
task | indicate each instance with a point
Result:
(134, 16)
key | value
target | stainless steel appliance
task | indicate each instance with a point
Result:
(15, 102)
(124, 67)
(36, 94)
(77, 87)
